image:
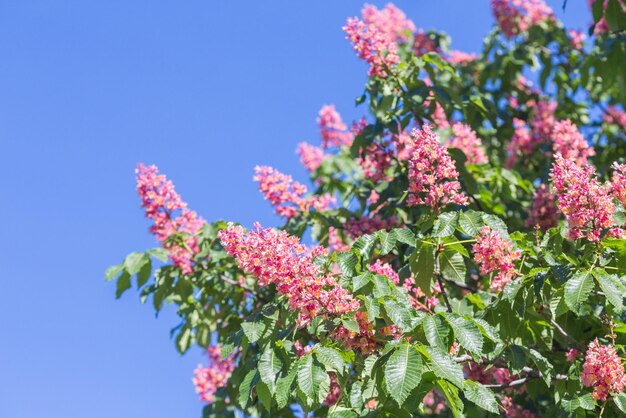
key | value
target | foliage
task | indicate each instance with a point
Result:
(469, 238)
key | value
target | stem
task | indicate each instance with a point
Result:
(459, 242)
(441, 285)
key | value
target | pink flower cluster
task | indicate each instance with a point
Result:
(334, 392)
(333, 130)
(603, 370)
(615, 116)
(618, 183)
(286, 194)
(423, 43)
(512, 410)
(416, 294)
(368, 225)
(585, 202)
(390, 20)
(543, 121)
(311, 156)
(577, 38)
(492, 253)
(385, 269)
(567, 141)
(377, 159)
(465, 139)
(489, 375)
(432, 174)
(275, 257)
(461, 58)
(372, 45)
(522, 142)
(363, 341)
(208, 379)
(543, 211)
(170, 216)
(515, 17)
(572, 354)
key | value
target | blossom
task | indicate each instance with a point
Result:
(384, 269)
(373, 198)
(404, 145)
(515, 17)
(583, 200)
(311, 156)
(275, 257)
(465, 139)
(522, 142)
(543, 121)
(368, 224)
(615, 116)
(377, 159)
(363, 341)
(543, 211)
(572, 354)
(461, 58)
(567, 141)
(286, 194)
(492, 253)
(208, 379)
(512, 410)
(372, 45)
(432, 174)
(334, 392)
(603, 370)
(618, 183)
(577, 38)
(334, 241)
(390, 20)
(170, 216)
(423, 43)
(333, 130)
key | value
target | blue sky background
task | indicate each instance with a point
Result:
(204, 89)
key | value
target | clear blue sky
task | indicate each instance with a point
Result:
(205, 90)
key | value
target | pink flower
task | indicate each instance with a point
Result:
(492, 253)
(286, 194)
(543, 211)
(363, 341)
(384, 269)
(615, 116)
(603, 370)
(377, 159)
(586, 204)
(373, 198)
(368, 225)
(311, 156)
(461, 58)
(334, 392)
(423, 43)
(465, 139)
(212, 377)
(404, 145)
(432, 174)
(454, 350)
(577, 38)
(170, 215)
(333, 130)
(512, 410)
(275, 257)
(522, 142)
(543, 121)
(618, 183)
(572, 354)
(567, 141)
(390, 20)
(372, 45)
(515, 17)
(334, 241)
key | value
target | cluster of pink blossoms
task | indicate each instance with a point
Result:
(461, 58)
(368, 225)
(615, 116)
(492, 253)
(372, 45)
(311, 156)
(543, 212)
(363, 341)
(568, 141)
(208, 379)
(423, 43)
(603, 370)
(170, 215)
(465, 139)
(618, 183)
(521, 143)
(286, 194)
(577, 38)
(333, 130)
(432, 174)
(390, 20)
(416, 294)
(512, 410)
(275, 257)
(515, 17)
(572, 354)
(378, 158)
(586, 203)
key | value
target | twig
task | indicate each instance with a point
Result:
(463, 358)
(441, 285)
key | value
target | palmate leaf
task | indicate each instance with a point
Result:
(470, 223)
(481, 396)
(445, 224)
(577, 290)
(270, 365)
(613, 291)
(466, 333)
(403, 372)
(444, 366)
(436, 331)
(452, 265)
(423, 266)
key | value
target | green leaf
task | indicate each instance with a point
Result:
(403, 372)
(113, 271)
(466, 333)
(330, 358)
(436, 331)
(184, 339)
(254, 330)
(134, 262)
(284, 387)
(144, 273)
(444, 366)
(423, 266)
(481, 396)
(264, 394)
(159, 253)
(245, 388)
(305, 376)
(613, 293)
(577, 289)
(470, 223)
(445, 225)
(405, 236)
(400, 314)
(620, 401)
(361, 280)
(347, 263)
(341, 412)
(365, 244)
(452, 265)
(269, 367)
(123, 284)
(387, 241)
